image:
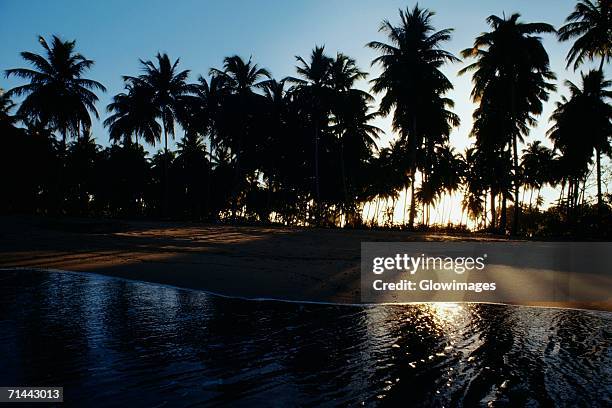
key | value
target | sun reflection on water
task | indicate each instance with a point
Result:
(444, 313)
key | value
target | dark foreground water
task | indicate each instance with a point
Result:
(115, 342)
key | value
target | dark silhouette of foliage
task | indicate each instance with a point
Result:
(304, 150)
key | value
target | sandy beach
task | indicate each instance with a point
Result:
(253, 262)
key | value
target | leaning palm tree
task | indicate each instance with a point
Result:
(411, 81)
(57, 95)
(510, 80)
(591, 25)
(168, 86)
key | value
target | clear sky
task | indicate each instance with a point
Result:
(117, 33)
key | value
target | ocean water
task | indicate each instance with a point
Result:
(112, 342)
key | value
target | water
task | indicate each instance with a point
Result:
(116, 342)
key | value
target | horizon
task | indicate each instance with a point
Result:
(272, 33)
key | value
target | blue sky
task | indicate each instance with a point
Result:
(117, 33)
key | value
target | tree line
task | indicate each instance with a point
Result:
(302, 150)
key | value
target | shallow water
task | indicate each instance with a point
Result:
(117, 342)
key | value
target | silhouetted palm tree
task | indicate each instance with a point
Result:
(240, 78)
(591, 25)
(168, 86)
(133, 115)
(313, 90)
(57, 95)
(582, 124)
(208, 96)
(411, 81)
(82, 160)
(6, 106)
(510, 76)
(190, 168)
(536, 162)
(351, 123)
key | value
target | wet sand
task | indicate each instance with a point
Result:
(320, 265)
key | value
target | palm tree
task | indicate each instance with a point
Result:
(536, 162)
(168, 86)
(591, 24)
(240, 78)
(510, 75)
(582, 124)
(351, 122)
(6, 106)
(411, 81)
(57, 95)
(313, 90)
(133, 114)
(209, 96)
(191, 164)
(493, 151)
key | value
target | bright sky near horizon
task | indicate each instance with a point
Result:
(117, 33)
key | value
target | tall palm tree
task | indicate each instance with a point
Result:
(57, 95)
(493, 149)
(411, 81)
(209, 95)
(351, 121)
(591, 25)
(583, 124)
(168, 86)
(240, 78)
(511, 73)
(313, 90)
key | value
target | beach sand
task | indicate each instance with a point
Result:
(298, 264)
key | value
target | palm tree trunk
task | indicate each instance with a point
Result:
(411, 215)
(515, 219)
(208, 182)
(316, 159)
(412, 159)
(61, 172)
(375, 217)
(344, 186)
(599, 200)
(517, 207)
(504, 213)
(405, 201)
(237, 179)
(562, 191)
(165, 183)
(492, 210)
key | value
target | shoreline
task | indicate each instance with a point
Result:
(255, 263)
(543, 305)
